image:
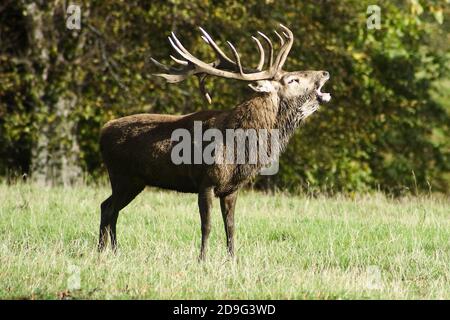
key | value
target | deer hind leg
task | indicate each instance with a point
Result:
(122, 194)
(105, 218)
(205, 198)
(227, 205)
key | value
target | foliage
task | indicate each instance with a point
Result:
(387, 125)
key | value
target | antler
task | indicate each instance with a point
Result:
(223, 66)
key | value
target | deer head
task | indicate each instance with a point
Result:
(302, 86)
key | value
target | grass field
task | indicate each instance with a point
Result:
(288, 247)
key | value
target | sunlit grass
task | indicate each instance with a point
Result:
(287, 246)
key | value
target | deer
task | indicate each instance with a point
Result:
(136, 149)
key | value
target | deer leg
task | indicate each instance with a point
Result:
(104, 223)
(205, 198)
(227, 204)
(112, 231)
(121, 198)
(123, 193)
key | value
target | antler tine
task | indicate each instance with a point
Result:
(176, 44)
(284, 50)
(290, 41)
(205, 39)
(201, 80)
(159, 64)
(279, 37)
(174, 76)
(180, 52)
(261, 52)
(182, 62)
(269, 43)
(200, 65)
(236, 56)
(223, 58)
(287, 30)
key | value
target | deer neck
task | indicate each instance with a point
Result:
(270, 112)
(287, 121)
(259, 112)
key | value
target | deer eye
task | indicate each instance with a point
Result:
(293, 80)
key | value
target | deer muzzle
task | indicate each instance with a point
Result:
(323, 96)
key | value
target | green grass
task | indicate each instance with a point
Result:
(288, 247)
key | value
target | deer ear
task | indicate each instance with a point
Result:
(263, 86)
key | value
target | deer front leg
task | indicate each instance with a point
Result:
(227, 204)
(205, 198)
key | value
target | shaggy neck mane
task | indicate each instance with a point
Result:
(291, 113)
(269, 111)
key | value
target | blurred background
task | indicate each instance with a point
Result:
(386, 128)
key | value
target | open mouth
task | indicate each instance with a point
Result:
(323, 96)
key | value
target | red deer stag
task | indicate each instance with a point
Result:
(137, 149)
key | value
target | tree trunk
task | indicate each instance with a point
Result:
(55, 155)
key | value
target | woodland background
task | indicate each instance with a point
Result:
(386, 128)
